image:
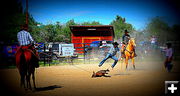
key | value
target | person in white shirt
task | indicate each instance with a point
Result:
(24, 37)
(27, 42)
(169, 55)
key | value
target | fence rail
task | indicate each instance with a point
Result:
(85, 54)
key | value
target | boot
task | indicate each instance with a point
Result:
(122, 55)
(135, 55)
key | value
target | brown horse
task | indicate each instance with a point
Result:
(129, 52)
(25, 62)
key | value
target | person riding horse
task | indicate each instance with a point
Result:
(26, 41)
(125, 39)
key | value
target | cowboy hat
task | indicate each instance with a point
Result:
(125, 31)
(115, 43)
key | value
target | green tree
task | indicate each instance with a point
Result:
(120, 25)
(159, 28)
(39, 33)
(11, 19)
(59, 35)
(91, 23)
(175, 33)
(66, 31)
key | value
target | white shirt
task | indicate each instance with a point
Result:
(24, 38)
(111, 48)
(169, 52)
(153, 40)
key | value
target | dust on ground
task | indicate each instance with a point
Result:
(75, 80)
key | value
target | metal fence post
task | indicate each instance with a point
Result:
(44, 55)
(84, 52)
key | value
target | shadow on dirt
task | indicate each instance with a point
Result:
(137, 69)
(47, 88)
(174, 72)
(122, 74)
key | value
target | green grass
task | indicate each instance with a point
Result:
(8, 67)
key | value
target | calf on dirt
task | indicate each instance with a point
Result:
(100, 73)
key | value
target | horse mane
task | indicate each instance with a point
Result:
(131, 39)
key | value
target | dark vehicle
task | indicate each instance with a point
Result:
(56, 51)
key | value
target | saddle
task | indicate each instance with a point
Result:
(124, 49)
(29, 52)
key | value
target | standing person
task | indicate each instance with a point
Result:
(25, 40)
(169, 56)
(111, 54)
(153, 41)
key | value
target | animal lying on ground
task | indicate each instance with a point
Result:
(100, 73)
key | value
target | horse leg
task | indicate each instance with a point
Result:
(121, 63)
(133, 62)
(126, 61)
(28, 81)
(22, 72)
(22, 80)
(33, 77)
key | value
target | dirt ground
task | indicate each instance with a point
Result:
(75, 80)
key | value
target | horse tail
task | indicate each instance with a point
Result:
(28, 54)
(23, 69)
(23, 56)
(19, 56)
(23, 64)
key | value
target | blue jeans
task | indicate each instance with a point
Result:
(109, 56)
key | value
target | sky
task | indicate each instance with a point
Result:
(136, 12)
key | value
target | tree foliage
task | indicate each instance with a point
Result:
(14, 17)
(56, 32)
(159, 28)
(10, 19)
(120, 25)
(91, 23)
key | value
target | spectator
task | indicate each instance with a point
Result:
(169, 56)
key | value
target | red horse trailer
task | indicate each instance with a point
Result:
(84, 35)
